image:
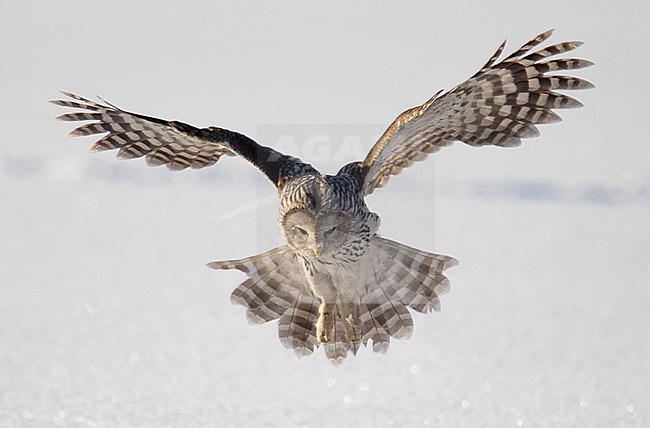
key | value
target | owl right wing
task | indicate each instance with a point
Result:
(175, 144)
(501, 104)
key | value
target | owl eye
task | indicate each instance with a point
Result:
(329, 231)
(300, 230)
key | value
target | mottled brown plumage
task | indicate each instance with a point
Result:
(337, 283)
(501, 104)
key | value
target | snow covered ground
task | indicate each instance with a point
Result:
(109, 316)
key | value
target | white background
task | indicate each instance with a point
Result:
(109, 317)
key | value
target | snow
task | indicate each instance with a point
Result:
(109, 316)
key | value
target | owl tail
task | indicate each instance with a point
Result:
(405, 277)
(277, 289)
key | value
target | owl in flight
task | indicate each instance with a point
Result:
(336, 282)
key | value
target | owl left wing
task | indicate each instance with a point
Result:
(501, 104)
(175, 144)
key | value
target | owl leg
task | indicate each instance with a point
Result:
(350, 314)
(325, 323)
(321, 285)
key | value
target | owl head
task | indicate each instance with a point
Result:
(316, 233)
(312, 218)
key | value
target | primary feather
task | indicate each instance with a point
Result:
(500, 105)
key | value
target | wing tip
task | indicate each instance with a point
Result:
(77, 133)
(548, 33)
(215, 265)
(586, 63)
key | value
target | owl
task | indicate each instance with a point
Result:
(337, 283)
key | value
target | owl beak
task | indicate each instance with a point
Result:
(317, 252)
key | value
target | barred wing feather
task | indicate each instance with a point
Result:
(500, 105)
(172, 143)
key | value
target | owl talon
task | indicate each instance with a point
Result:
(325, 323)
(351, 329)
(350, 315)
(323, 337)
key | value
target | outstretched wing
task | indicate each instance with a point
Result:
(175, 144)
(499, 105)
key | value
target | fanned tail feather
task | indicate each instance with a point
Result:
(297, 326)
(420, 275)
(404, 276)
(272, 285)
(337, 349)
(278, 289)
(373, 331)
